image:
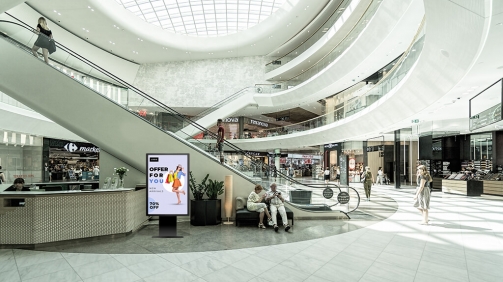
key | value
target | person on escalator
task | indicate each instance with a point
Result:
(220, 140)
(43, 40)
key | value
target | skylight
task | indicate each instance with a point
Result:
(202, 17)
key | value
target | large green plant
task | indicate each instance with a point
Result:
(198, 190)
(214, 188)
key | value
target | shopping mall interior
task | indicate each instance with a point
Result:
(369, 129)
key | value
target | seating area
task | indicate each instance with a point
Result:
(243, 214)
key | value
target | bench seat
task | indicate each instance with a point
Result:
(253, 216)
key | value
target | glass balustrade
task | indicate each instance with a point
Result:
(155, 113)
(361, 100)
(348, 40)
(335, 19)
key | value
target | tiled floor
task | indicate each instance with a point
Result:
(463, 243)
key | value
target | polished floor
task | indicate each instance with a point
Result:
(463, 242)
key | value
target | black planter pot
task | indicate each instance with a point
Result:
(205, 212)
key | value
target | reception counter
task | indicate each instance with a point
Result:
(28, 218)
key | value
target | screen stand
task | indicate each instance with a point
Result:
(167, 227)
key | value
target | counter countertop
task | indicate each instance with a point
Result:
(39, 192)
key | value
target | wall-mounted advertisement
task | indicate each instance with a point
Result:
(167, 184)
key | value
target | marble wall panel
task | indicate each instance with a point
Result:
(200, 83)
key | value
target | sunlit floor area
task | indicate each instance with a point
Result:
(463, 242)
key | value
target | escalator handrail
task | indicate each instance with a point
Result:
(218, 104)
(161, 105)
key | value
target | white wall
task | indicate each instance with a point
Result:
(199, 83)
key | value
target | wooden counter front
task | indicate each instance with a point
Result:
(493, 187)
(66, 215)
(461, 187)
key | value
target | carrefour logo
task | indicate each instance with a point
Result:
(71, 147)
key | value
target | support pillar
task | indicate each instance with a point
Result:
(397, 159)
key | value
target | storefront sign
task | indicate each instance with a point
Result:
(167, 184)
(331, 145)
(343, 198)
(379, 148)
(231, 120)
(259, 123)
(328, 193)
(73, 147)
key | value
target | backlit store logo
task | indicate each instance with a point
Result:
(72, 147)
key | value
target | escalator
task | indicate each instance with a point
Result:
(118, 128)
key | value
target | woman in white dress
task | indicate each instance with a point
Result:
(422, 195)
(255, 203)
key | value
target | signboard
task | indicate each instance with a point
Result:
(285, 118)
(328, 193)
(259, 123)
(231, 120)
(344, 169)
(73, 147)
(343, 198)
(167, 184)
(331, 145)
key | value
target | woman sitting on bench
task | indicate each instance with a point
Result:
(255, 203)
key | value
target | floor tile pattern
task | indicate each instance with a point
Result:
(463, 242)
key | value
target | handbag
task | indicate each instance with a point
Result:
(52, 46)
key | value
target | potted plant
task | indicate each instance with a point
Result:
(197, 206)
(198, 190)
(214, 188)
(214, 205)
(205, 212)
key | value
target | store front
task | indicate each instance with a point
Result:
(63, 159)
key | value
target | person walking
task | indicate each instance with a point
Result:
(367, 183)
(327, 175)
(380, 175)
(422, 195)
(44, 36)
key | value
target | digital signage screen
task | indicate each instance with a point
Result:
(167, 184)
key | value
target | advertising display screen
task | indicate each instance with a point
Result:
(167, 184)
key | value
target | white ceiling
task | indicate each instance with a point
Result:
(107, 25)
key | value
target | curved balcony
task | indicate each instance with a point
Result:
(332, 25)
(327, 49)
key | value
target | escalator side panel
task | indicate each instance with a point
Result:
(97, 119)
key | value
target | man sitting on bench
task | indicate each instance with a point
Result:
(277, 204)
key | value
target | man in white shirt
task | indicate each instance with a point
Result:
(277, 204)
(96, 172)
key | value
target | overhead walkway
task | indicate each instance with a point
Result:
(119, 129)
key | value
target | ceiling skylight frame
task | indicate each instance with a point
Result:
(208, 18)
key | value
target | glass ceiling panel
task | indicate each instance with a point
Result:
(202, 17)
